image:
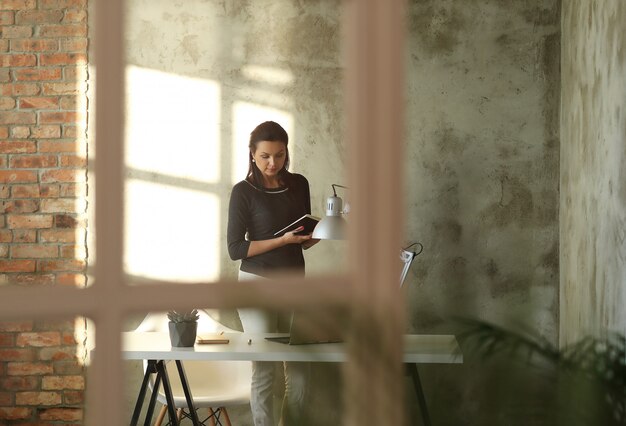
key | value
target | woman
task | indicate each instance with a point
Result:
(266, 201)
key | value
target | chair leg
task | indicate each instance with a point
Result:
(179, 414)
(212, 415)
(161, 416)
(225, 414)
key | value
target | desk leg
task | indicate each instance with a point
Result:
(187, 391)
(412, 371)
(153, 398)
(171, 408)
(142, 393)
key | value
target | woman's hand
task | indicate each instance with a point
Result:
(292, 238)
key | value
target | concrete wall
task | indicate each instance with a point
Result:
(481, 164)
(593, 164)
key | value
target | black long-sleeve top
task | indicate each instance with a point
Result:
(259, 214)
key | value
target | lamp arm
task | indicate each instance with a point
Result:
(339, 186)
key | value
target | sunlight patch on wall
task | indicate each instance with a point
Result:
(172, 124)
(171, 233)
(246, 116)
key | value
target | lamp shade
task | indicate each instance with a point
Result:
(333, 226)
(330, 228)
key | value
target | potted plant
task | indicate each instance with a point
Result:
(535, 382)
(183, 327)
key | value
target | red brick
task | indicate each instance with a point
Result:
(17, 266)
(69, 367)
(16, 355)
(6, 399)
(38, 16)
(17, 147)
(39, 103)
(17, 383)
(20, 89)
(66, 30)
(63, 59)
(19, 206)
(29, 45)
(34, 279)
(68, 339)
(7, 103)
(18, 4)
(5, 75)
(16, 31)
(50, 191)
(67, 221)
(30, 221)
(25, 191)
(62, 205)
(4, 132)
(15, 413)
(13, 326)
(75, 15)
(46, 132)
(56, 146)
(17, 176)
(4, 250)
(29, 368)
(63, 4)
(32, 161)
(73, 280)
(62, 235)
(57, 354)
(73, 45)
(7, 18)
(4, 47)
(71, 131)
(76, 265)
(73, 397)
(39, 339)
(72, 252)
(24, 236)
(73, 161)
(39, 251)
(7, 339)
(37, 398)
(63, 175)
(38, 74)
(20, 132)
(78, 74)
(66, 414)
(63, 382)
(60, 117)
(21, 117)
(18, 60)
(61, 89)
(73, 189)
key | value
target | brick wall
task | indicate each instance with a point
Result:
(43, 150)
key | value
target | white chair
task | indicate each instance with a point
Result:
(214, 385)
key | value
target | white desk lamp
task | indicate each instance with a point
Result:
(333, 226)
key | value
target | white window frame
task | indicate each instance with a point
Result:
(373, 390)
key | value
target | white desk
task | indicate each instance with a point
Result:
(155, 347)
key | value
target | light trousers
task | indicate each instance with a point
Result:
(263, 372)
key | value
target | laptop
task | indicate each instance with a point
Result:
(306, 330)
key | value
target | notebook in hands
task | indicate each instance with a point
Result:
(305, 331)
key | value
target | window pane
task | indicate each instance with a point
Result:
(199, 80)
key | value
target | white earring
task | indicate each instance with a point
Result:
(253, 160)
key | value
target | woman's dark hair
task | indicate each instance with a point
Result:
(269, 131)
